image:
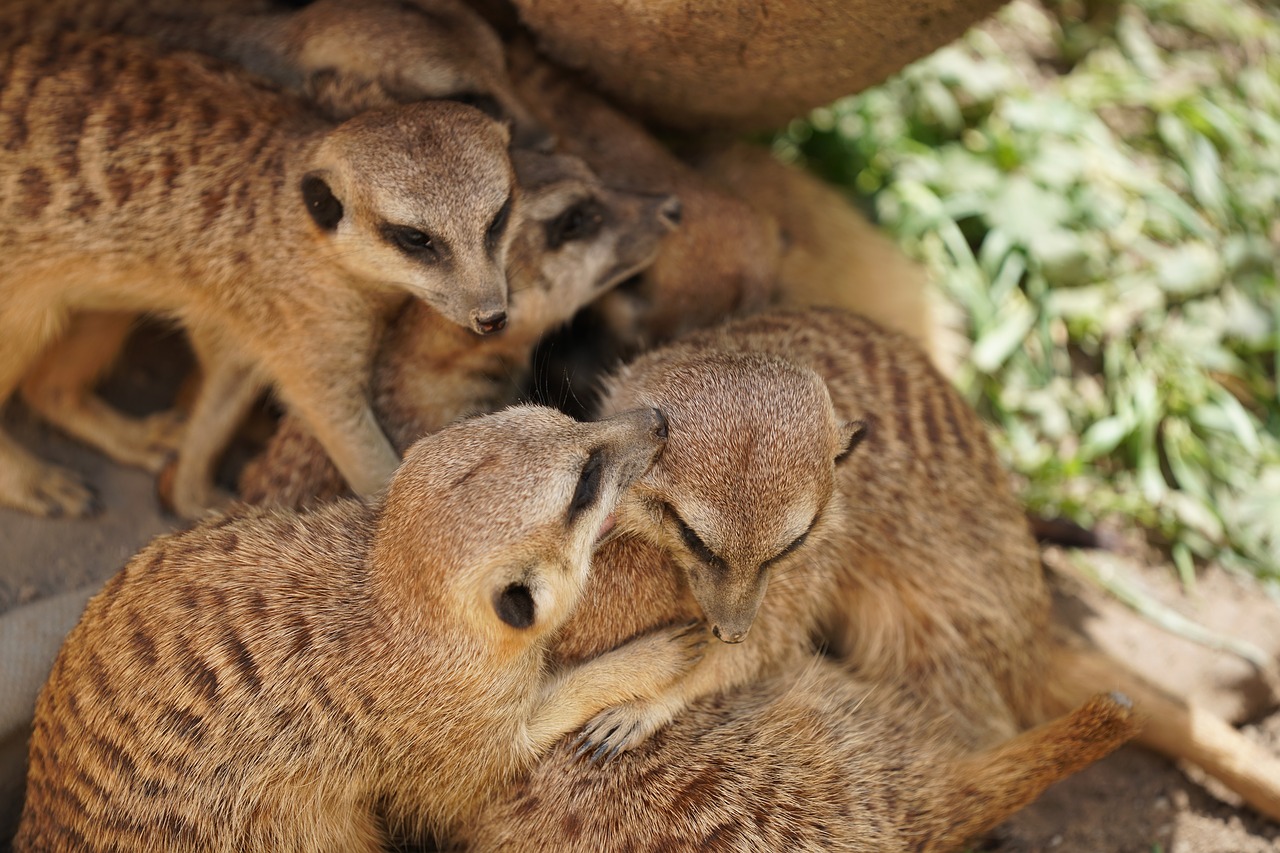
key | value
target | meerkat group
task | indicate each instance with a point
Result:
(506, 647)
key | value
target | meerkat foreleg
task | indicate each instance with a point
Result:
(637, 670)
(329, 390)
(230, 386)
(628, 724)
(61, 390)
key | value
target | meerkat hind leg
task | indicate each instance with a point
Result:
(227, 392)
(27, 483)
(60, 389)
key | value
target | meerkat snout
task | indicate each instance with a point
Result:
(489, 323)
(730, 638)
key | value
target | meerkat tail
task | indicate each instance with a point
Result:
(1174, 727)
(989, 787)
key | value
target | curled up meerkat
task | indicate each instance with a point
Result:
(271, 681)
(136, 181)
(578, 239)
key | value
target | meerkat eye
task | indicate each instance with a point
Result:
(515, 606)
(498, 226)
(411, 241)
(693, 541)
(588, 485)
(579, 222)
(486, 104)
(795, 543)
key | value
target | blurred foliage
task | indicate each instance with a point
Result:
(1097, 188)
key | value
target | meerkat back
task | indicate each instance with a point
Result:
(267, 680)
(811, 760)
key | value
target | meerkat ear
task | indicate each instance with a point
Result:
(321, 203)
(515, 606)
(852, 433)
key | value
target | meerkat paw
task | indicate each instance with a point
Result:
(622, 728)
(47, 491)
(160, 437)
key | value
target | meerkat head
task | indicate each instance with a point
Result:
(383, 52)
(493, 520)
(748, 475)
(420, 198)
(578, 238)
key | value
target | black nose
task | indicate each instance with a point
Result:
(659, 424)
(495, 322)
(671, 211)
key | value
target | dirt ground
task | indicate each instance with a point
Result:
(1133, 801)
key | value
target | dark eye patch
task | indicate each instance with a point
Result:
(321, 203)
(514, 605)
(498, 226)
(580, 222)
(694, 542)
(411, 241)
(795, 543)
(486, 104)
(588, 489)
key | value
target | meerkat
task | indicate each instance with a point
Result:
(723, 259)
(345, 57)
(808, 760)
(577, 240)
(273, 681)
(169, 183)
(822, 458)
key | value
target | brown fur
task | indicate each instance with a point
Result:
(919, 570)
(346, 55)
(831, 254)
(126, 191)
(578, 238)
(740, 64)
(722, 260)
(809, 760)
(272, 682)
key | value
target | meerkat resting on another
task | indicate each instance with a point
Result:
(271, 681)
(819, 457)
(346, 57)
(577, 240)
(809, 760)
(141, 182)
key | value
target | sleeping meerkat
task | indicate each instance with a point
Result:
(811, 760)
(577, 240)
(272, 681)
(144, 182)
(822, 480)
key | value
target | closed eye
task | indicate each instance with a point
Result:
(694, 542)
(588, 488)
(498, 226)
(795, 544)
(580, 222)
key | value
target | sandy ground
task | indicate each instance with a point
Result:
(1134, 801)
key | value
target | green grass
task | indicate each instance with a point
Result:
(1101, 200)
